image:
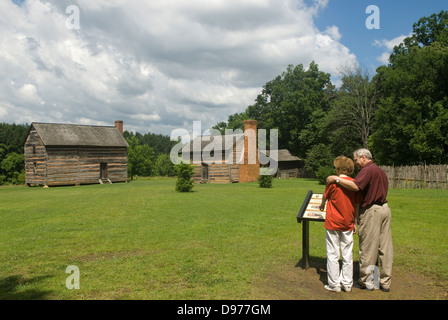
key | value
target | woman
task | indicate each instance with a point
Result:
(340, 222)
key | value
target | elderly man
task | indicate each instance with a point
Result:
(375, 239)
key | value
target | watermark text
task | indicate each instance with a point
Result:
(73, 20)
(72, 281)
(373, 21)
(234, 147)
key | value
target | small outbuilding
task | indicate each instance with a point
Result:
(72, 154)
(289, 166)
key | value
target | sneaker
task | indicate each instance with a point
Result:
(334, 289)
(346, 289)
(384, 289)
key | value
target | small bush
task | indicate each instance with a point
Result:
(265, 181)
(184, 181)
(323, 172)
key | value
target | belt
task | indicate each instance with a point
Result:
(371, 205)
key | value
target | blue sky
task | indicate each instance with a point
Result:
(161, 65)
(396, 19)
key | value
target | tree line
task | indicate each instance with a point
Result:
(12, 165)
(149, 155)
(400, 113)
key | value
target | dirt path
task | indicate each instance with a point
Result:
(296, 283)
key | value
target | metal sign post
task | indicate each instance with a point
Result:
(309, 212)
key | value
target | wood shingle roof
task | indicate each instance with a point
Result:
(56, 134)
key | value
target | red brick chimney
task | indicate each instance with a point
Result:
(250, 170)
(119, 125)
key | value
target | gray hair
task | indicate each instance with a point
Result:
(363, 152)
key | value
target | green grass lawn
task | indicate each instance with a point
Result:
(144, 240)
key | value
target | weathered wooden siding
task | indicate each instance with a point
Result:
(220, 172)
(59, 154)
(217, 173)
(53, 166)
(81, 165)
(62, 166)
(35, 160)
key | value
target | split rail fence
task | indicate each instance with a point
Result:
(417, 177)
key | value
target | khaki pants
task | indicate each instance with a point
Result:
(375, 240)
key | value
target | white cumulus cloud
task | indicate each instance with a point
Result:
(156, 65)
(389, 46)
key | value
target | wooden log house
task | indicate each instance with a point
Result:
(71, 154)
(237, 168)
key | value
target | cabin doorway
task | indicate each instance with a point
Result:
(103, 170)
(204, 176)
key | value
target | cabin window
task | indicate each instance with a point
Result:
(34, 149)
(34, 167)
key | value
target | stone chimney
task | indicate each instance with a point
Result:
(119, 125)
(250, 170)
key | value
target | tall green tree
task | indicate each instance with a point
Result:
(234, 121)
(290, 103)
(355, 106)
(412, 118)
(13, 136)
(292, 100)
(141, 159)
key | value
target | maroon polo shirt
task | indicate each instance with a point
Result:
(372, 181)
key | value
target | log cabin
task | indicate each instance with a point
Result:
(230, 162)
(71, 154)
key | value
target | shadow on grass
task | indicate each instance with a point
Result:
(15, 288)
(320, 266)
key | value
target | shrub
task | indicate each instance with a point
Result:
(184, 181)
(265, 181)
(323, 172)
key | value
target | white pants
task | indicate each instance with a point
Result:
(343, 241)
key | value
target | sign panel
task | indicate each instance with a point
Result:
(310, 208)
